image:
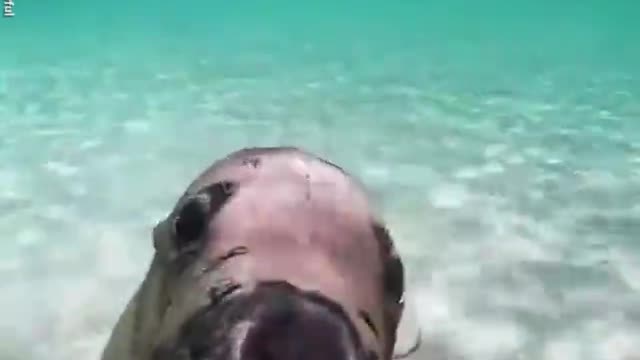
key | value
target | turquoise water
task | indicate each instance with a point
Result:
(502, 137)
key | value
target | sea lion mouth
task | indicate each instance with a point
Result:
(275, 320)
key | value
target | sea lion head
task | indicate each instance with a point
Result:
(239, 320)
(269, 254)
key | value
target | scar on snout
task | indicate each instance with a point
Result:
(253, 161)
(307, 178)
(238, 250)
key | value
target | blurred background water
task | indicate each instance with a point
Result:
(503, 138)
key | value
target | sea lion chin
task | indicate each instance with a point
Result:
(271, 253)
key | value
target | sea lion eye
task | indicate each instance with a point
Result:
(394, 269)
(191, 221)
(394, 281)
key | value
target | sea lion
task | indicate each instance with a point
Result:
(271, 253)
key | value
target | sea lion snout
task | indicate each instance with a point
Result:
(274, 321)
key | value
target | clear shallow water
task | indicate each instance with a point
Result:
(504, 142)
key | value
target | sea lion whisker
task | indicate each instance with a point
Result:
(218, 293)
(415, 347)
(238, 250)
(367, 319)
